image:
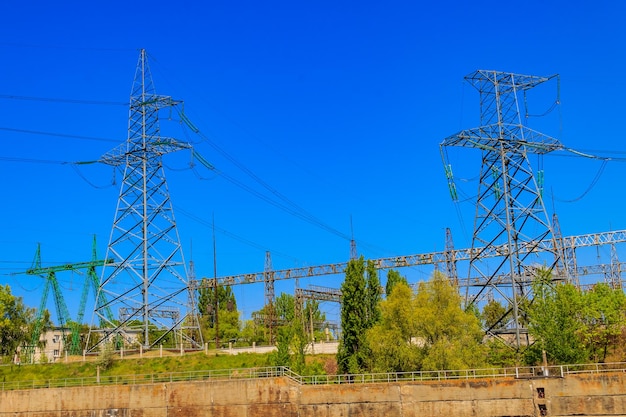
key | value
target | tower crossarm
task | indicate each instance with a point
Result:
(492, 137)
(159, 146)
(315, 292)
(154, 101)
(593, 239)
(484, 81)
(68, 267)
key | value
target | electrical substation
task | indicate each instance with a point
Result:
(143, 282)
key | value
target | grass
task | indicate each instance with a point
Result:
(149, 364)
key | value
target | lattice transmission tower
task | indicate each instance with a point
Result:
(147, 285)
(510, 212)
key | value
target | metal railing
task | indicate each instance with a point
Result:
(218, 374)
(559, 371)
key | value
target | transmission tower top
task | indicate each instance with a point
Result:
(500, 116)
(144, 135)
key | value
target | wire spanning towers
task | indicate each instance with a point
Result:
(147, 283)
(509, 205)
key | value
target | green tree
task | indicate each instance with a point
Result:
(374, 294)
(16, 322)
(285, 307)
(209, 297)
(494, 315)
(229, 327)
(501, 354)
(554, 322)
(281, 356)
(450, 337)
(393, 279)
(351, 354)
(391, 341)
(313, 318)
(253, 332)
(224, 320)
(603, 315)
(297, 345)
(291, 340)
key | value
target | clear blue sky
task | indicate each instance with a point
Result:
(339, 106)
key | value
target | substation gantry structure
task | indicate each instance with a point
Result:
(449, 259)
(72, 342)
(147, 283)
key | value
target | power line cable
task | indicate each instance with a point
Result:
(595, 180)
(303, 216)
(294, 208)
(225, 232)
(67, 47)
(80, 174)
(62, 135)
(63, 100)
(32, 160)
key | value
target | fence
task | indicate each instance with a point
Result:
(559, 371)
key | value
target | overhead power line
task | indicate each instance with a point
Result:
(289, 206)
(301, 213)
(32, 161)
(63, 100)
(61, 135)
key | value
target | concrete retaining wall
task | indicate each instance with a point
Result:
(599, 395)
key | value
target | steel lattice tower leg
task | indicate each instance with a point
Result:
(270, 296)
(147, 284)
(567, 255)
(615, 277)
(509, 205)
(450, 259)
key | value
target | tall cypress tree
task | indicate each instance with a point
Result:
(374, 293)
(393, 278)
(351, 355)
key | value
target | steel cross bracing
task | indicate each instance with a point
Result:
(567, 254)
(432, 258)
(148, 279)
(509, 203)
(63, 316)
(270, 309)
(318, 293)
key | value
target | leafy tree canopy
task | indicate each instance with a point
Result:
(351, 355)
(572, 325)
(428, 330)
(451, 337)
(391, 340)
(16, 322)
(393, 278)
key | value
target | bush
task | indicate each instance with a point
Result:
(106, 357)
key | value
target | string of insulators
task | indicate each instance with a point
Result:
(186, 120)
(202, 160)
(451, 185)
(552, 107)
(540, 182)
(525, 105)
(495, 174)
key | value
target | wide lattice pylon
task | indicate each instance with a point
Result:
(509, 206)
(147, 285)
